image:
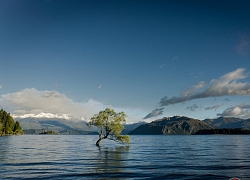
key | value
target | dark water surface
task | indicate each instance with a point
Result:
(147, 157)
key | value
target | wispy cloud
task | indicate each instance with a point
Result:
(99, 87)
(242, 111)
(194, 107)
(215, 107)
(196, 75)
(165, 62)
(1, 86)
(225, 85)
(243, 45)
(155, 112)
(192, 89)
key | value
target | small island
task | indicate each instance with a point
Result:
(49, 132)
(8, 126)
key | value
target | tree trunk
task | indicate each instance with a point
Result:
(98, 142)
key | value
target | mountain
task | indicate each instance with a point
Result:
(130, 127)
(65, 126)
(228, 122)
(171, 125)
(167, 125)
(32, 125)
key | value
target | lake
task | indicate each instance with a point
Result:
(148, 157)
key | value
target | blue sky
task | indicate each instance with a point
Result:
(74, 58)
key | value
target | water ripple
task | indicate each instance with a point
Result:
(148, 157)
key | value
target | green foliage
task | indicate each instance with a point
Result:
(8, 125)
(109, 124)
(17, 128)
(124, 139)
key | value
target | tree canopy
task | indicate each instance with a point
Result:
(8, 125)
(109, 124)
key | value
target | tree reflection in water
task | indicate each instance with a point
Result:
(112, 159)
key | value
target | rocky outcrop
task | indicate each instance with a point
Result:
(172, 125)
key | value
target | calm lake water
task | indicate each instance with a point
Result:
(147, 157)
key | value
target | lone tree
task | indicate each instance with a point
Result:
(109, 124)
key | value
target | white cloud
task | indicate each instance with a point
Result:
(241, 111)
(34, 103)
(52, 104)
(236, 111)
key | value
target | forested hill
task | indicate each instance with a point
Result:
(8, 125)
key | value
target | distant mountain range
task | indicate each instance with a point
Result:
(186, 125)
(172, 125)
(129, 127)
(167, 125)
(62, 126)
(228, 122)
(33, 125)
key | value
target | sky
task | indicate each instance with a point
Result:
(151, 59)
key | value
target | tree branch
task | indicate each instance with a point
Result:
(115, 140)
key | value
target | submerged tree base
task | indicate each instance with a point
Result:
(98, 142)
(119, 139)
